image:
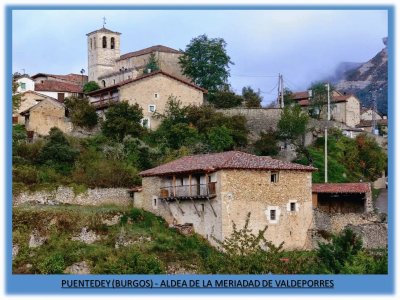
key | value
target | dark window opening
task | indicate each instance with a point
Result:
(274, 177)
(104, 42)
(272, 214)
(112, 43)
(202, 207)
(103, 82)
(292, 206)
(155, 201)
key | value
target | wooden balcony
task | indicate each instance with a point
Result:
(105, 102)
(188, 192)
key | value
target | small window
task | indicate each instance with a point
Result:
(272, 214)
(112, 43)
(91, 43)
(156, 96)
(154, 202)
(292, 206)
(103, 82)
(104, 42)
(152, 108)
(23, 86)
(202, 207)
(114, 81)
(274, 177)
(145, 123)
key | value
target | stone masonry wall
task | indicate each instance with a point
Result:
(370, 226)
(245, 191)
(66, 195)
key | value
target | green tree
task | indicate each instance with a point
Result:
(267, 143)
(372, 159)
(152, 64)
(287, 97)
(292, 124)
(57, 152)
(90, 87)
(123, 119)
(251, 98)
(16, 98)
(319, 99)
(206, 62)
(225, 99)
(220, 139)
(82, 114)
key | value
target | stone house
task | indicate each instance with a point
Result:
(367, 126)
(108, 67)
(368, 113)
(151, 92)
(28, 99)
(48, 113)
(346, 107)
(211, 191)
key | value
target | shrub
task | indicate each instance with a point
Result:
(90, 87)
(52, 264)
(341, 251)
(82, 113)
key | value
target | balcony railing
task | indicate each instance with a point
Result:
(193, 191)
(105, 102)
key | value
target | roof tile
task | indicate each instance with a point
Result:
(340, 188)
(224, 160)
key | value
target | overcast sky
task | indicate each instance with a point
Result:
(303, 45)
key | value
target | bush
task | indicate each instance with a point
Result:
(340, 252)
(220, 139)
(52, 264)
(267, 143)
(57, 152)
(90, 87)
(82, 113)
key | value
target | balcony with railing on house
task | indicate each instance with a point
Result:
(188, 192)
(105, 102)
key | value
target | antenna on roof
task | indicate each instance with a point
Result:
(104, 21)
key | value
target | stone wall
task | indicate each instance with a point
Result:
(66, 195)
(258, 119)
(370, 226)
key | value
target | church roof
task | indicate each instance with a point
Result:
(104, 30)
(157, 48)
(159, 72)
(236, 160)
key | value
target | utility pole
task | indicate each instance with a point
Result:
(326, 132)
(374, 111)
(282, 91)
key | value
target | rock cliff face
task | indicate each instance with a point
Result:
(369, 80)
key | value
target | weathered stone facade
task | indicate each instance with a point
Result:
(371, 227)
(45, 115)
(66, 195)
(154, 91)
(28, 100)
(347, 112)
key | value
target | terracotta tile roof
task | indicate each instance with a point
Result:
(340, 188)
(103, 29)
(73, 78)
(224, 160)
(50, 99)
(58, 86)
(157, 48)
(368, 123)
(111, 87)
(300, 95)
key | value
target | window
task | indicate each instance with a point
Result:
(23, 86)
(156, 96)
(103, 82)
(202, 207)
(292, 206)
(91, 43)
(152, 108)
(114, 81)
(274, 177)
(145, 122)
(155, 202)
(272, 215)
(104, 42)
(112, 43)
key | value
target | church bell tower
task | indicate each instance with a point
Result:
(103, 51)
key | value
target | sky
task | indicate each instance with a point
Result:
(304, 46)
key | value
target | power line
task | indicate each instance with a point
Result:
(243, 75)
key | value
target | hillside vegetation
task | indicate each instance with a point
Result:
(115, 240)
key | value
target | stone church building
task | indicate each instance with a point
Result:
(108, 67)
